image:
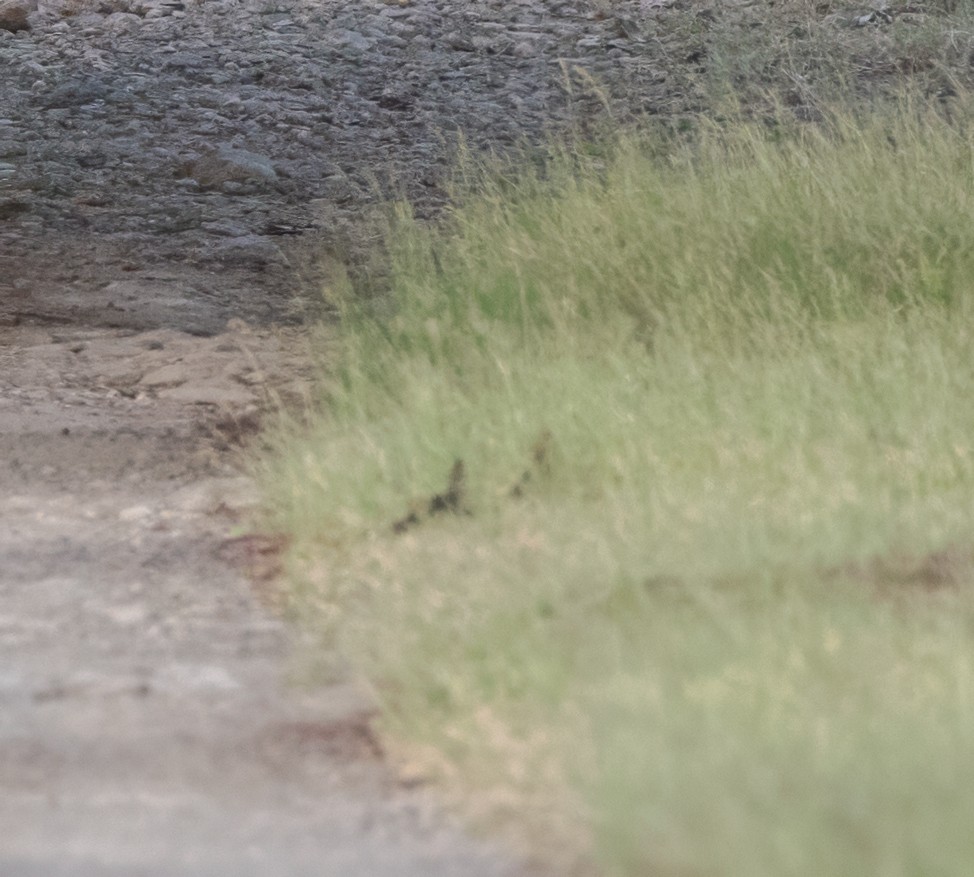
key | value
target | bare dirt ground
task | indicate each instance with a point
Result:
(148, 724)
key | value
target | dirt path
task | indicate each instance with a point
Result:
(147, 724)
(166, 166)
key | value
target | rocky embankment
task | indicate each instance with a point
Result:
(206, 149)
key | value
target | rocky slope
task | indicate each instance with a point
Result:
(160, 160)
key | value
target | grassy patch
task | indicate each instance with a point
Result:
(646, 499)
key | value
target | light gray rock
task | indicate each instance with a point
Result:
(248, 248)
(218, 166)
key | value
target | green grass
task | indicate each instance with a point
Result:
(706, 608)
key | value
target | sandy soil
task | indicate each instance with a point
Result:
(150, 722)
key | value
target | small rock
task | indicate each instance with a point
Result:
(10, 208)
(216, 167)
(14, 14)
(120, 373)
(172, 375)
(219, 393)
(126, 616)
(352, 40)
(135, 513)
(247, 249)
(212, 495)
(77, 92)
(240, 327)
(182, 677)
(225, 228)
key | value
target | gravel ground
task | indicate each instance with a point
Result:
(197, 147)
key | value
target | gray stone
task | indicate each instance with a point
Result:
(225, 164)
(171, 375)
(248, 248)
(77, 92)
